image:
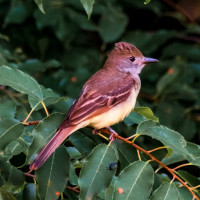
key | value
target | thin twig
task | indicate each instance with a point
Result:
(193, 188)
(138, 153)
(28, 116)
(103, 136)
(31, 123)
(45, 108)
(183, 165)
(31, 175)
(156, 149)
(75, 189)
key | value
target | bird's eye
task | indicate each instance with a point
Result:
(132, 58)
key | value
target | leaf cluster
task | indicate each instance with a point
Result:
(44, 61)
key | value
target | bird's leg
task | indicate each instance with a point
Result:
(112, 134)
(98, 131)
(94, 130)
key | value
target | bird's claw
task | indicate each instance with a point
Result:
(112, 134)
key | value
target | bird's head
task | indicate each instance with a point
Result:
(126, 57)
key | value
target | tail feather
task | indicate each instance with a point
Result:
(53, 144)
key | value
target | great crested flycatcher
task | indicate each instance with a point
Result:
(106, 98)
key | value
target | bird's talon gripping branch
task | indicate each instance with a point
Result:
(110, 130)
(94, 131)
(112, 134)
(98, 131)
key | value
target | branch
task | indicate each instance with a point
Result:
(75, 189)
(31, 123)
(171, 171)
(30, 175)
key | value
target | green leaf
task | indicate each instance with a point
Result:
(167, 191)
(194, 150)
(20, 81)
(184, 193)
(134, 118)
(157, 181)
(49, 97)
(174, 158)
(140, 114)
(83, 143)
(9, 130)
(168, 79)
(40, 5)
(164, 177)
(71, 195)
(88, 6)
(109, 192)
(147, 1)
(148, 44)
(13, 178)
(74, 153)
(82, 21)
(33, 66)
(146, 112)
(15, 147)
(43, 133)
(5, 195)
(5, 54)
(29, 192)
(182, 49)
(73, 178)
(112, 24)
(168, 137)
(188, 129)
(95, 175)
(189, 178)
(135, 181)
(17, 13)
(7, 109)
(124, 151)
(53, 175)
(170, 112)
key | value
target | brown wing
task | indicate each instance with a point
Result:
(95, 100)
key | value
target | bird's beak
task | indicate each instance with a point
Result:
(149, 60)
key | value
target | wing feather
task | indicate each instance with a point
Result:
(97, 99)
(101, 103)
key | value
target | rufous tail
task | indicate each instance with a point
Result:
(53, 144)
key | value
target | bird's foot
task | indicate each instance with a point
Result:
(111, 131)
(112, 134)
(95, 131)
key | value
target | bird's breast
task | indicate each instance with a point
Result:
(116, 113)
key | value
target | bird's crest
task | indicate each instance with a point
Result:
(124, 48)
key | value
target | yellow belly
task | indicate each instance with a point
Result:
(115, 114)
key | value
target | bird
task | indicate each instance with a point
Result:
(106, 98)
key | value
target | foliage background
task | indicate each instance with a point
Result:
(61, 49)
